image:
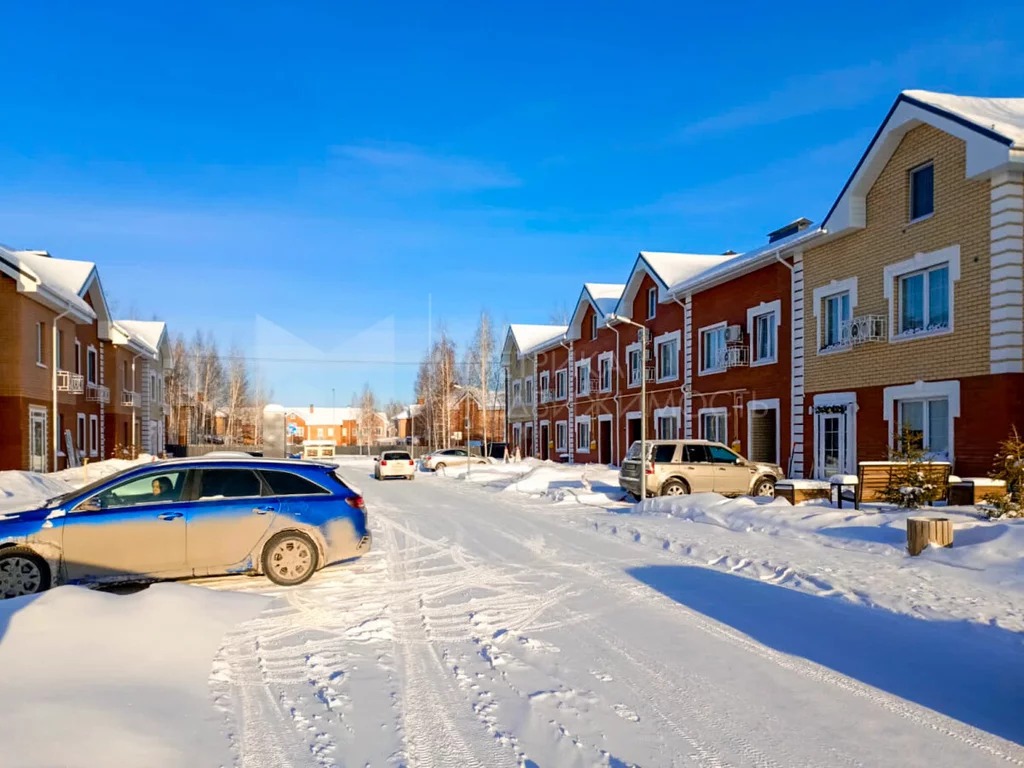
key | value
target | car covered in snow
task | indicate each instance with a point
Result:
(449, 457)
(394, 464)
(183, 518)
(676, 467)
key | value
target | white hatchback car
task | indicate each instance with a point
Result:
(450, 457)
(394, 464)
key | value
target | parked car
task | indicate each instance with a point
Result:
(182, 518)
(449, 457)
(394, 464)
(676, 467)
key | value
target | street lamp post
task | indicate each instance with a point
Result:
(642, 338)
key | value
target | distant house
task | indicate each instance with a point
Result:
(336, 426)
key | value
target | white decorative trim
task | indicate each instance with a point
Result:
(701, 370)
(668, 412)
(630, 384)
(765, 405)
(688, 368)
(796, 431)
(564, 370)
(718, 410)
(608, 357)
(848, 399)
(658, 342)
(564, 447)
(923, 390)
(764, 308)
(821, 293)
(584, 363)
(1006, 287)
(919, 262)
(576, 423)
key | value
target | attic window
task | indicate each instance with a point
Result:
(922, 192)
(593, 326)
(652, 302)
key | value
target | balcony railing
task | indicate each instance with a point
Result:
(546, 395)
(734, 357)
(70, 382)
(129, 399)
(97, 393)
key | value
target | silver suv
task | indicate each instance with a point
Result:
(675, 467)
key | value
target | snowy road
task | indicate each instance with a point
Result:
(481, 632)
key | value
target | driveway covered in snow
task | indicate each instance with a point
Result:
(498, 629)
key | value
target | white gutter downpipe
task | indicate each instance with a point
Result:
(56, 420)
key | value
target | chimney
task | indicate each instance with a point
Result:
(310, 407)
(790, 229)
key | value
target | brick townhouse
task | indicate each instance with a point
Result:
(59, 349)
(340, 426)
(905, 307)
(522, 390)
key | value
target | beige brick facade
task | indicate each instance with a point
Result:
(961, 217)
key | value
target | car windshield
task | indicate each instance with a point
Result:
(85, 490)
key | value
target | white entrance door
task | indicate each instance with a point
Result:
(835, 450)
(37, 439)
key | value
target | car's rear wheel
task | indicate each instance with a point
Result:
(675, 488)
(22, 572)
(765, 487)
(439, 467)
(289, 558)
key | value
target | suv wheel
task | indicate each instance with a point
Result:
(675, 488)
(439, 466)
(765, 487)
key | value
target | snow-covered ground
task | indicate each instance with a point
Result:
(533, 618)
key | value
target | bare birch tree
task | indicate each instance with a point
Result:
(236, 393)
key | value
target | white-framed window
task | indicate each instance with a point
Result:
(920, 294)
(545, 386)
(300, 431)
(582, 434)
(561, 436)
(583, 378)
(712, 348)
(528, 388)
(517, 397)
(666, 350)
(835, 326)
(922, 191)
(714, 424)
(593, 326)
(330, 431)
(763, 329)
(319, 433)
(80, 432)
(78, 358)
(561, 384)
(604, 371)
(517, 433)
(928, 424)
(652, 303)
(94, 435)
(91, 365)
(634, 364)
(40, 351)
(666, 423)
(60, 350)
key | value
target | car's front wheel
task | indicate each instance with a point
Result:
(289, 558)
(22, 572)
(675, 488)
(765, 487)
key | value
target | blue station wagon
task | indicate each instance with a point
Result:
(184, 518)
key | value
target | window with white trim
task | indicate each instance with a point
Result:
(714, 425)
(94, 435)
(764, 339)
(80, 433)
(836, 321)
(712, 349)
(528, 389)
(517, 397)
(635, 363)
(561, 384)
(91, 365)
(652, 303)
(516, 434)
(593, 326)
(320, 433)
(60, 350)
(78, 358)
(604, 371)
(924, 301)
(583, 378)
(40, 333)
(666, 424)
(928, 425)
(667, 353)
(561, 436)
(922, 192)
(583, 434)
(545, 386)
(330, 431)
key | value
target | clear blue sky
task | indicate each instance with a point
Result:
(299, 177)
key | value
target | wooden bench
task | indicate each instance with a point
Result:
(874, 476)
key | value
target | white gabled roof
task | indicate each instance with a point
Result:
(999, 115)
(326, 416)
(672, 268)
(150, 332)
(63, 280)
(604, 296)
(529, 336)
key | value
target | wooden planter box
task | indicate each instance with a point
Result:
(973, 490)
(801, 493)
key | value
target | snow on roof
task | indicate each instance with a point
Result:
(63, 278)
(605, 295)
(737, 264)
(999, 115)
(671, 268)
(529, 336)
(150, 332)
(326, 416)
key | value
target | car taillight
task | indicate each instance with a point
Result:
(650, 469)
(412, 463)
(356, 502)
(383, 463)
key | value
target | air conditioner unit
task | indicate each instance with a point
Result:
(649, 373)
(866, 328)
(733, 334)
(649, 355)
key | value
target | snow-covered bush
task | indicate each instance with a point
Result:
(909, 485)
(1008, 466)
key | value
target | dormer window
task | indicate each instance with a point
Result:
(922, 192)
(593, 326)
(652, 302)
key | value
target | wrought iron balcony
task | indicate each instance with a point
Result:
(70, 382)
(97, 393)
(129, 399)
(734, 357)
